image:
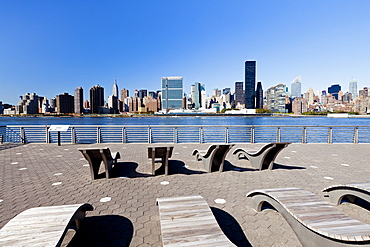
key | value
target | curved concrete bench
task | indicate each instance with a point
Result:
(350, 191)
(263, 158)
(43, 226)
(315, 221)
(188, 221)
(213, 158)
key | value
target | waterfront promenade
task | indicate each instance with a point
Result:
(125, 211)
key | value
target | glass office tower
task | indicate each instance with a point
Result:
(250, 84)
(172, 92)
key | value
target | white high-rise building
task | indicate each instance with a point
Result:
(353, 88)
(296, 87)
(115, 88)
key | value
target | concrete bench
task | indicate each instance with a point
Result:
(97, 155)
(188, 221)
(213, 158)
(43, 226)
(350, 191)
(315, 221)
(163, 153)
(263, 158)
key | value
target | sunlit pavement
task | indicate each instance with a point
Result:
(125, 211)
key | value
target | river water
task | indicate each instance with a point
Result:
(186, 120)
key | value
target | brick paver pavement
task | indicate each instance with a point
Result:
(125, 212)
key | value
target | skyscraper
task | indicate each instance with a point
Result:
(334, 90)
(353, 88)
(65, 103)
(296, 87)
(96, 98)
(124, 93)
(143, 93)
(196, 95)
(239, 93)
(115, 88)
(276, 98)
(250, 84)
(172, 92)
(259, 96)
(79, 99)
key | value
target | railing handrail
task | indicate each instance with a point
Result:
(189, 134)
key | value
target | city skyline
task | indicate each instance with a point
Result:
(52, 48)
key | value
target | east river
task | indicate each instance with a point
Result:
(186, 120)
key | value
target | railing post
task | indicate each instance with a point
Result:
(226, 134)
(23, 136)
(330, 139)
(124, 140)
(278, 134)
(355, 139)
(201, 135)
(98, 135)
(73, 135)
(252, 134)
(150, 134)
(47, 135)
(304, 135)
(175, 135)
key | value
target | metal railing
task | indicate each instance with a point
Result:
(186, 134)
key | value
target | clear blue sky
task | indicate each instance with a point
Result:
(52, 47)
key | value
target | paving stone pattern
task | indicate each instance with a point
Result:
(36, 175)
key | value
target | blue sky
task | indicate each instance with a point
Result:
(52, 47)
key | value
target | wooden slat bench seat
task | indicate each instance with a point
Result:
(213, 158)
(188, 221)
(315, 221)
(95, 156)
(163, 153)
(263, 158)
(42, 226)
(350, 191)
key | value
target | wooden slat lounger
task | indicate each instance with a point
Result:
(95, 156)
(315, 221)
(213, 158)
(350, 191)
(42, 226)
(263, 158)
(188, 221)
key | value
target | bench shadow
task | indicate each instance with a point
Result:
(126, 169)
(230, 227)
(9, 145)
(177, 167)
(108, 230)
(230, 167)
(357, 201)
(280, 166)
